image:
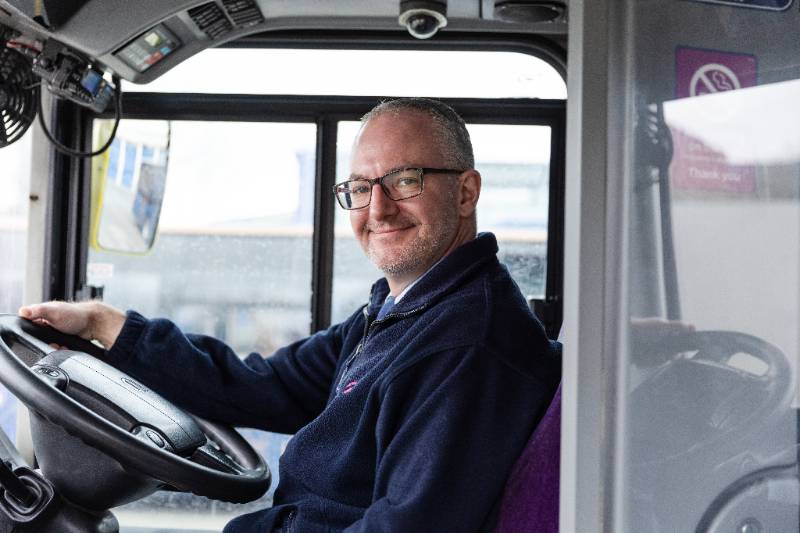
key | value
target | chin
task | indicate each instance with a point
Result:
(389, 260)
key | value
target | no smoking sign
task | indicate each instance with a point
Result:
(699, 71)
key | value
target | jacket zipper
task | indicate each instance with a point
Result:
(367, 330)
(286, 527)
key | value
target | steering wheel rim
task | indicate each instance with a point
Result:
(661, 398)
(40, 396)
(717, 344)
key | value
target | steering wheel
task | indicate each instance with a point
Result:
(722, 382)
(76, 399)
(717, 408)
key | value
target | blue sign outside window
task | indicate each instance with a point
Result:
(772, 5)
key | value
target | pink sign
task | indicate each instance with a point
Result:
(700, 71)
(696, 166)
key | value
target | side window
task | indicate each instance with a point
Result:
(514, 162)
(14, 182)
(232, 257)
(237, 269)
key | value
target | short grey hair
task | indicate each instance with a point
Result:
(450, 128)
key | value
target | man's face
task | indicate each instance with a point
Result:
(404, 238)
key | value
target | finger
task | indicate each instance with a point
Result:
(37, 311)
(54, 314)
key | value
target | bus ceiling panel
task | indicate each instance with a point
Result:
(141, 40)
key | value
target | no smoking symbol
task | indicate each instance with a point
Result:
(713, 78)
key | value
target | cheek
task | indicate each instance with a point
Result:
(357, 221)
(424, 214)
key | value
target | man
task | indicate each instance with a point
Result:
(409, 414)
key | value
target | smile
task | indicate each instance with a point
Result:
(388, 231)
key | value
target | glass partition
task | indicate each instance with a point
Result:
(707, 414)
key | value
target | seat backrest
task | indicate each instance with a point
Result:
(530, 499)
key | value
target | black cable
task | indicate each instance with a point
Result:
(74, 153)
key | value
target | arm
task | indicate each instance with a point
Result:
(451, 428)
(202, 374)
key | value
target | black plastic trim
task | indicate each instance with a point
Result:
(68, 208)
(294, 108)
(554, 288)
(322, 253)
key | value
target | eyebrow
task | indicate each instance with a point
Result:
(395, 169)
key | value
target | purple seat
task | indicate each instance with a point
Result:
(530, 499)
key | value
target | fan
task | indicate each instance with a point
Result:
(18, 95)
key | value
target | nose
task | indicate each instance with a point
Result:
(381, 206)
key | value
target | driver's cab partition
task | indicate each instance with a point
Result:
(102, 439)
(682, 412)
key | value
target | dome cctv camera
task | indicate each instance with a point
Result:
(423, 18)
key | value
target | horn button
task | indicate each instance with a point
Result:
(121, 400)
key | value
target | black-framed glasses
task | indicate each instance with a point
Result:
(398, 185)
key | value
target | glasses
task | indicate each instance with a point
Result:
(397, 185)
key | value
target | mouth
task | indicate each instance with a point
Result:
(388, 231)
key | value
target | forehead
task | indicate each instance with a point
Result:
(393, 139)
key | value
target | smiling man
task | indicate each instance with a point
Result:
(409, 415)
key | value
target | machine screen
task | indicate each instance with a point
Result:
(149, 48)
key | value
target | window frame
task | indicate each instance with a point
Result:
(75, 126)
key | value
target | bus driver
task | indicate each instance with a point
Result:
(408, 415)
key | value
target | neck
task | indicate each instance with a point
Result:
(397, 284)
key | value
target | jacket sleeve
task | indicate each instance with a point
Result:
(451, 428)
(204, 376)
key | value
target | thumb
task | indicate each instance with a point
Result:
(28, 311)
(43, 312)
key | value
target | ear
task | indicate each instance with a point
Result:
(469, 190)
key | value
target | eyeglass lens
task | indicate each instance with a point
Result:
(399, 185)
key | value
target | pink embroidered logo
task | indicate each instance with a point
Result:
(350, 386)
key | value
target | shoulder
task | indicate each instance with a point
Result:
(485, 324)
(491, 308)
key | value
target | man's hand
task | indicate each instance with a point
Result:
(91, 320)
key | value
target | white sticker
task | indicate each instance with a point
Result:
(98, 274)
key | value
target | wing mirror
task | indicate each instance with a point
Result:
(128, 185)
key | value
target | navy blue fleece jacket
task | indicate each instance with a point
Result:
(409, 423)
